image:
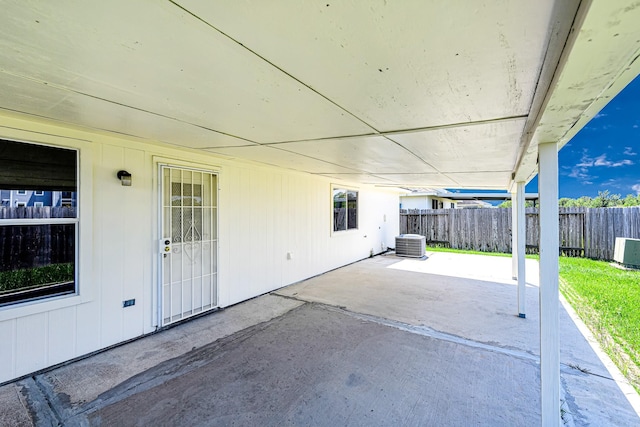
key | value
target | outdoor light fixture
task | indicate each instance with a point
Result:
(125, 178)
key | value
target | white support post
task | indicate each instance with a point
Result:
(514, 236)
(521, 241)
(549, 241)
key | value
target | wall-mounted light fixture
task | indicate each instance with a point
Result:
(125, 178)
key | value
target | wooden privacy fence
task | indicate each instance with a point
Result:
(586, 232)
(27, 246)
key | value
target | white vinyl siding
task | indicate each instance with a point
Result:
(265, 213)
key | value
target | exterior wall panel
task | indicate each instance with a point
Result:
(264, 213)
(31, 342)
(111, 213)
(7, 349)
(136, 204)
(61, 330)
(88, 331)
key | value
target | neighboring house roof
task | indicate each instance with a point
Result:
(489, 196)
(468, 204)
(466, 196)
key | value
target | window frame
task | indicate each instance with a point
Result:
(39, 303)
(347, 189)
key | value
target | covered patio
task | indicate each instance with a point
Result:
(293, 111)
(384, 341)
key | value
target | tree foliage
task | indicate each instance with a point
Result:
(507, 204)
(604, 199)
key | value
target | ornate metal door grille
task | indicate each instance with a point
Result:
(188, 248)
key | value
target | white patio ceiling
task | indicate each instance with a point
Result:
(407, 93)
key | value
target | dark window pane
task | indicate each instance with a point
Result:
(36, 261)
(29, 167)
(339, 210)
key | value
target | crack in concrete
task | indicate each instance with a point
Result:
(48, 408)
(433, 333)
(41, 410)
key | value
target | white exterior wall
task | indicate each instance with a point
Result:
(424, 202)
(416, 202)
(263, 214)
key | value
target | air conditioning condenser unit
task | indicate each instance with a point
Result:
(627, 252)
(410, 245)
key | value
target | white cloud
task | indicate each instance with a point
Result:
(628, 151)
(636, 188)
(602, 161)
(597, 116)
(612, 183)
(581, 171)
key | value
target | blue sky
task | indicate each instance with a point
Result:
(605, 154)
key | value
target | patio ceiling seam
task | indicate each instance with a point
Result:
(42, 133)
(291, 152)
(77, 92)
(405, 131)
(83, 127)
(286, 73)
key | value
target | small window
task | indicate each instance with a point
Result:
(345, 209)
(39, 246)
(39, 193)
(434, 204)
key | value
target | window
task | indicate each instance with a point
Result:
(38, 204)
(21, 192)
(345, 209)
(39, 193)
(434, 204)
(39, 247)
(68, 199)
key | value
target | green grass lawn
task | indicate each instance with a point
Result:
(607, 299)
(462, 251)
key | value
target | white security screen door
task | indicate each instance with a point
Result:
(188, 247)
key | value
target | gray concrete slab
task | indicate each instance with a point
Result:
(473, 297)
(319, 366)
(418, 292)
(83, 381)
(385, 341)
(13, 407)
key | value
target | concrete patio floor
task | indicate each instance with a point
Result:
(385, 341)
